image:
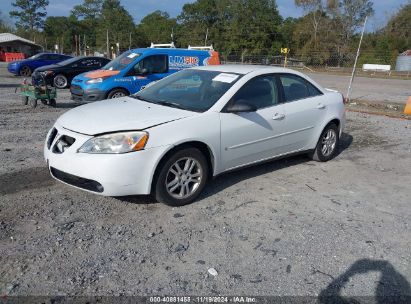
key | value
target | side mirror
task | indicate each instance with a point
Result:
(241, 106)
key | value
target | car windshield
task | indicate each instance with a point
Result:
(191, 89)
(70, 60)
(121, 61)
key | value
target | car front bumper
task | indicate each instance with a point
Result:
(78, 94)
(105, 174)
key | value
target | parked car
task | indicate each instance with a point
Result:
(27, 66)
(135, 69)
(61, 74)
(170, 138)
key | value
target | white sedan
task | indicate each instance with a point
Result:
(170, 138)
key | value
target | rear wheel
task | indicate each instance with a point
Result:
(117, 93)
(181, 178)
(60, 81)
(44, 101)
(25, 71)
(327, 145)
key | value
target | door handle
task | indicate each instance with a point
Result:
(278, 116)
(321, 106)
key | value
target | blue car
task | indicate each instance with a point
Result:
(135, 69)
(27, 66)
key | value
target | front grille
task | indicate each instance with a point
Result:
(63, 143)
(50, 140)
(76, 90)
(76, 181)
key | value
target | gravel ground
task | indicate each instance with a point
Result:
(288, 227)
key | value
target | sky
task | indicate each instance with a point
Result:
(140, 8)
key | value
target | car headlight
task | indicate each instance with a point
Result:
(95, 80)
(115, 143)
(45, 73)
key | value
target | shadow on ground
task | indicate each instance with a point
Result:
(229, 179)
(392, 286)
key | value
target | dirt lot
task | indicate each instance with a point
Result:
(289, 227)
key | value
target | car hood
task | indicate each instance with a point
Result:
(120, 114)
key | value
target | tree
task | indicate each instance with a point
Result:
(90, 9)
(157, 27)
(30, 14)
(314, 8)
(117, 21)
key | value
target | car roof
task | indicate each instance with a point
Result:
(244, 68)
(167, 51)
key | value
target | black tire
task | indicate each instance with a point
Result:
(60, 81)
(25, 100)
(117, 93)
(44, 101)
(160, 191)
(33, 102)
(319, 154)
(25, 71)
(52, 103)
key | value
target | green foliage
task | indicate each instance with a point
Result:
(30, 14)
(90, 9)
(156, 27)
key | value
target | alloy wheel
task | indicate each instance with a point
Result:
(184, 177)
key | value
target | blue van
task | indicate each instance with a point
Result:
(134, 69)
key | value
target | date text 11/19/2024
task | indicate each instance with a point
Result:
(202, 299)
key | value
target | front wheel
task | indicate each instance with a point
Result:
(327, 145)
(182, 177)
(60, 81)
(117, 93)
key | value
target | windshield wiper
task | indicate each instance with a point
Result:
(171, 104)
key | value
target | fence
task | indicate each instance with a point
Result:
(320, 62)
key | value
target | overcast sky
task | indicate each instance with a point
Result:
(139, 8)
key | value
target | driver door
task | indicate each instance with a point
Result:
(252, 136)
(149, 69)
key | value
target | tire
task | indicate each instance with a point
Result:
(33, 102)
(60, 81)
(25, 71)
(117, 93)
(181, 191)
(25, 100)
(52, 103)
(44, 101)
(327, 145)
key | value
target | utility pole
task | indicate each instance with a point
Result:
(85, 45)
(356, 59)
(129, 42)
(205, 41)
(108, 50)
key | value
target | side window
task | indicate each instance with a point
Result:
(156, 64)
(89, 63)
(44, 57)
(296, 87)
(313, 90)
(261, 91)
(55, 57)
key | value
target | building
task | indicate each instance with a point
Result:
(10, 43)
(404, 62)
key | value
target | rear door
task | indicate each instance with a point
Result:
(305, 108)
(253, 136)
